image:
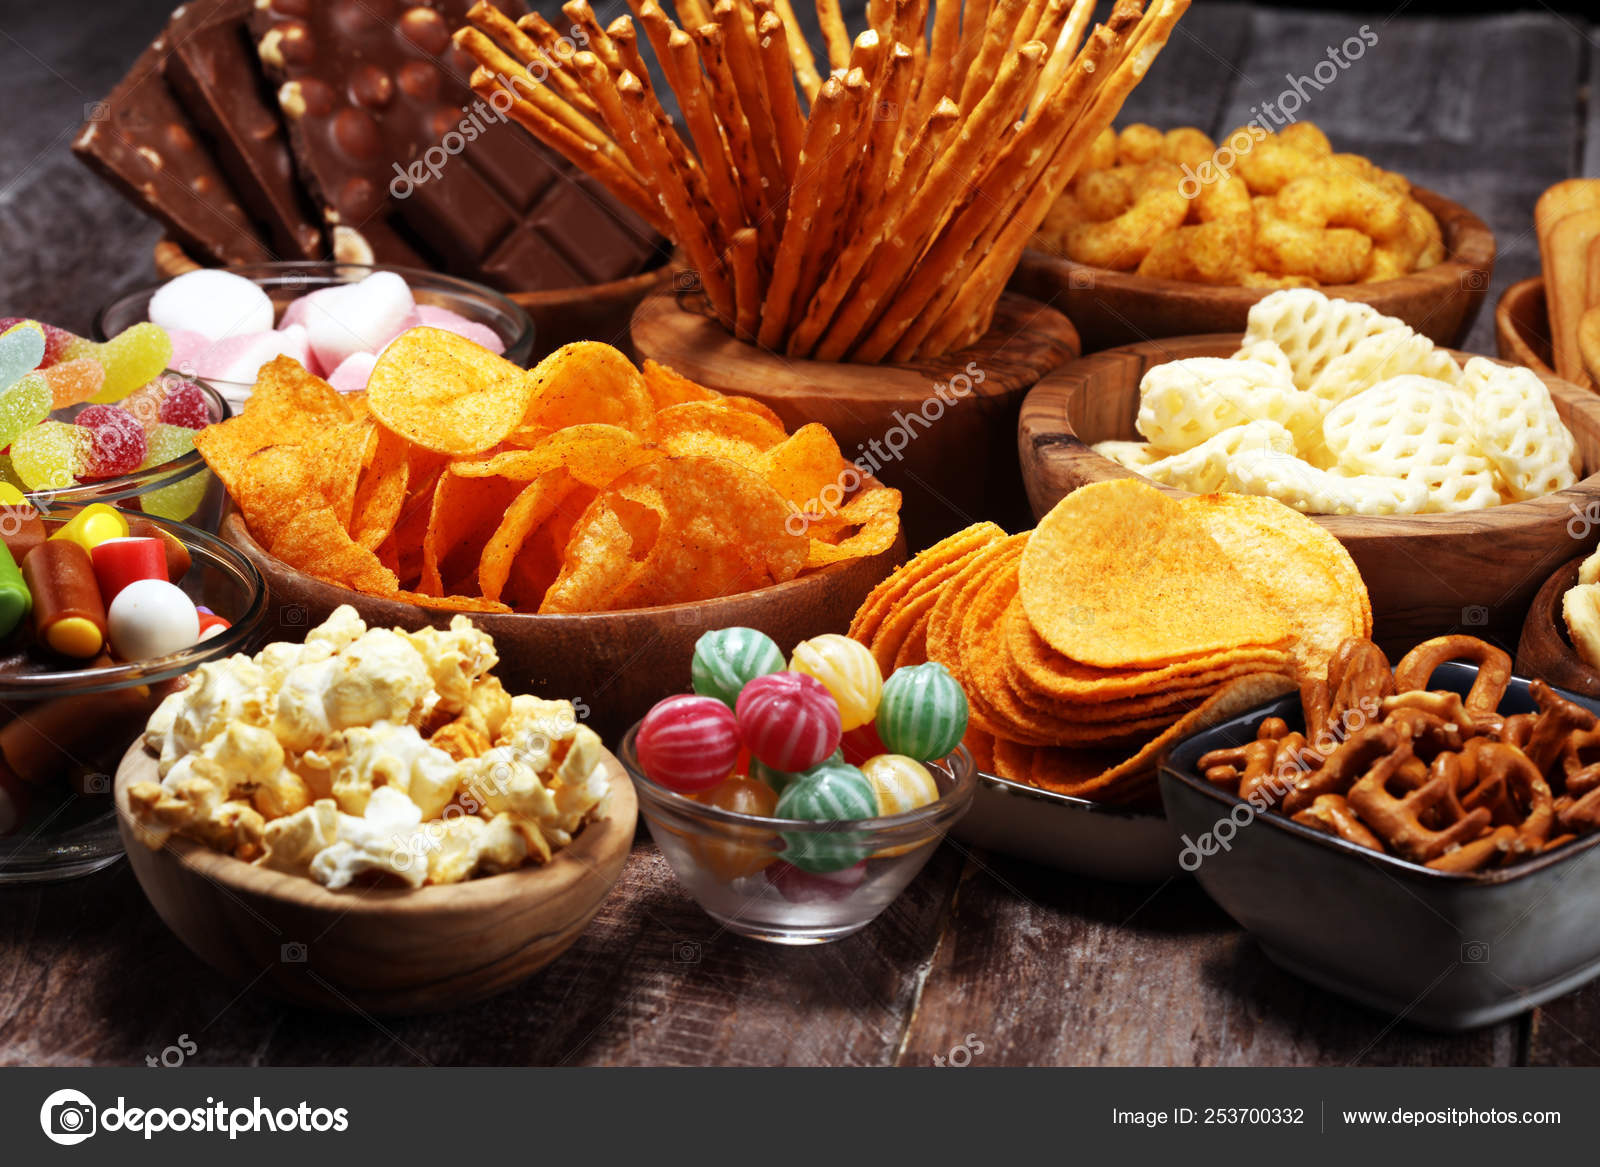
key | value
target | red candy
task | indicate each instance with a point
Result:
(688, 743)
(186, 406)
(118, 562)
(788, 720)
(55, 339)
(211, 624)
(119, 444)
(805, 887)
(862, 743)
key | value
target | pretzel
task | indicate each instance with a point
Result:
(1358, 677)
(1443, 705)
(1355, 756)
(1331, 814)
(1513, 791)
(1478, 854)
(1431, 732)
(1581, 815)
(1558, 720)
(1417, 667)
(1397, 821)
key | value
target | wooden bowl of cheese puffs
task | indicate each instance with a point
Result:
(1174, 234)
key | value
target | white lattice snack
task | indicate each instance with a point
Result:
(1204, 468)
(1130, 455)
(1581, 608)
(1183, 403)
(1396, 352)
(1268, 353)
(1312, 329)
(1517, 426)
(1298, 484)
(1418, 429)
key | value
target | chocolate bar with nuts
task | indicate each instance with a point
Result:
(404, 161)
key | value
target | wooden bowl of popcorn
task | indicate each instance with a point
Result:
(1428, 573)
(345, 831)
(1546, 648)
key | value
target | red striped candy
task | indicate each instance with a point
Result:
(688, 743)
(789, 721)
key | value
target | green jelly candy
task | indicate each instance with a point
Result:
(15, 599)
(182, 498)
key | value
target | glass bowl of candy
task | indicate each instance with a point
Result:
(334, 318)
(795, 803)
(85, 421)
(104, 613)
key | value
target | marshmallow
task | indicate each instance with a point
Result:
(436, 317)
(215, 303)
(360, 317)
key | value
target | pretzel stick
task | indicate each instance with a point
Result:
(1051, 21)
(693, 13)
(688, 228)
(804, 64)
(821, 130)
(941, 56)
(975, 304)
(629, 191)
(933, 199)
(974, 22)
(683, 63)
(879, 15)
(598, 80)
(908, 174)
(1066, 50)
(750, 84)
(559, 51)
(1022, 33)
(843, 158)
(1003, 18)
(887, 119)
(939, 277)
(491, 57)
(788, 126)
(658, 29)
(744, 257)
(517, 42)
(584, 21)
(626, 43)
(834, 33)
(758, 207)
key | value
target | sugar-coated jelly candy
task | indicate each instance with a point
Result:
(834, 793)
(728, 852)
(788, 720)
(55, 339)
(74, 381)
(68, 615)
(131, 358)
(23, 404)
(151, 618)
(168, 443)
(93, 525)
(118, 446)
(923, 713)
(688, 743)
(727, 659)
(21, 350)
(50, 455)
(185, 406)
(15, 599)
(846, 669)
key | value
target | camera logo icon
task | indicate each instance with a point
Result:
(68, 1117)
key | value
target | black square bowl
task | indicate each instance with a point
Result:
(1442, 950)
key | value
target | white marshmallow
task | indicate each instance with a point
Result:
(212, 302)
(360, 317)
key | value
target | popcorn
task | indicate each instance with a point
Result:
(369, 756)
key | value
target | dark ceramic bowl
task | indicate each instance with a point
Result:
(1437, 949)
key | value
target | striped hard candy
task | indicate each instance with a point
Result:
(923, 712)
(728, 659)
(846, 669)
(688, 743)
(788, 721)
(836, 792)
(779, 780)
(861, 743)
(900, 784)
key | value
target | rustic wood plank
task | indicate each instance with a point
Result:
(1050, 969)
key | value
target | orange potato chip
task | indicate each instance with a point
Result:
(877, 513)
(452, 603)
(527, 512)
(1157, 586)
(464, 514)
(594, 454)
(382, 490)
(288, 405)
(667, 386)
(941, 560)
(443, 392)
(809, 471)
(751, 406)
(587, 382)
(710, 429)
(313, 541)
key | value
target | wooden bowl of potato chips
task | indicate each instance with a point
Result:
(1113, 308)
(1428, 574)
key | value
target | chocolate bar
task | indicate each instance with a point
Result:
(140, 140)
(408, 166)
(211, 68)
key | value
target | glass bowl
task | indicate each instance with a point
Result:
(734, 865)
(287, 282)
(172, 491)
(64, 731)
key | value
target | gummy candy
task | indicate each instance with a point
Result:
(21, 350)
(55, 339)
(119, 444)
(24, 403)
(49, 456)
(144, 403)
(73, 381)
(182, 498)
(185, 406)
(131, 358)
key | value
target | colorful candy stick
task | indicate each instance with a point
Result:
(68, 614)
(15, 599)
(118, 562)
(178, 558)
(93, 525)
(21, 524)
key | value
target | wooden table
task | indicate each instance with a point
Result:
(1037, 966)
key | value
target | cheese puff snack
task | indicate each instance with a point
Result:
(1283, 210)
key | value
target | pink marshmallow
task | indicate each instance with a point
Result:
(360, 317)
(239, 358)
(352, 374)
(436, 317)
(187, 348)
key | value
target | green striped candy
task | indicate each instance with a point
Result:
(923, 713)
(829, 792)
(728, 659)
(779, 780)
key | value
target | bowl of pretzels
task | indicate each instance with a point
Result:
(1420, 839)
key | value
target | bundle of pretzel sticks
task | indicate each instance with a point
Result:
(883, 221)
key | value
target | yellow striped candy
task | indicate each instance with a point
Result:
(847, 670)
(899, 784)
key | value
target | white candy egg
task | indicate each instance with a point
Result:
(150, 618)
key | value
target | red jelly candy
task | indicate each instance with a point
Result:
(186, 406)
(688, 743)
(119, 444)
